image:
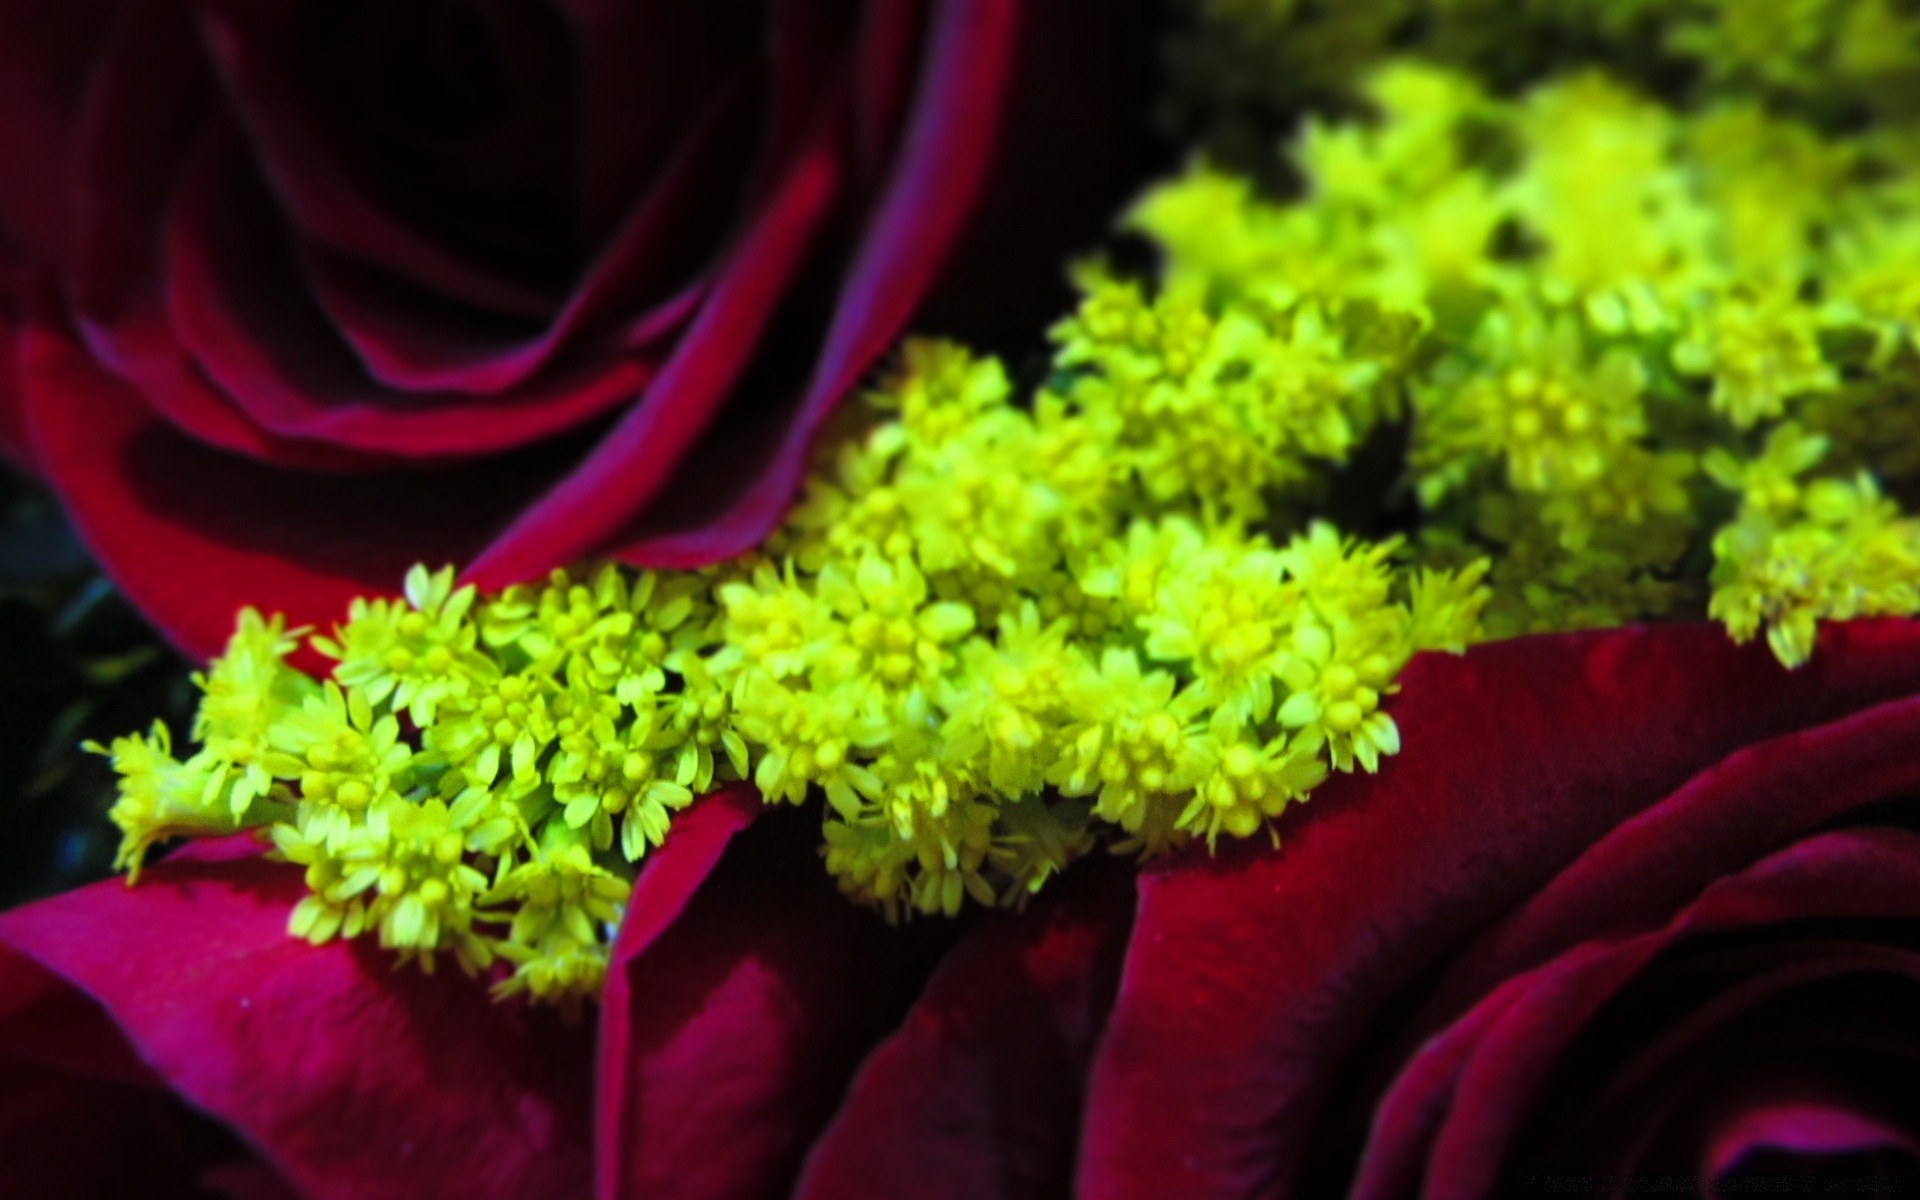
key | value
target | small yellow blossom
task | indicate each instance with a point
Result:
(163, 798)
(247, 691)
(343, 757)
(419, 652)
(1036, 840)
(1845, 551)
(564, 905)
(1760, 349)
(1251, 784)
(1134, 747)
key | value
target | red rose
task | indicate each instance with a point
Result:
(1635, 903)
(330, 288)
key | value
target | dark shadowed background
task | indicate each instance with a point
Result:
(75, 663)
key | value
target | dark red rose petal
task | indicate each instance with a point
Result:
(979, 1091)
(236, 303)
(667, 883)
(1006, 279)
(263, 295)
(1637, 1088)
(1762, 797)
(730, 1034)
(1811, 1127)
(245, 361)
(351, 1078)
(630, 464)
(189, 533)
(884, 59)
(46, 53)
(646, 70)
(1846, 875)
(944, 157)
(247, 1179)
(67, 1137)
(142, 115)
(139, 347)
(256, 48)
(804, 53)
(149, 97)
(81, 1116)
(44, 1022)
(1251, 976)
(147, 104)
(637, 283)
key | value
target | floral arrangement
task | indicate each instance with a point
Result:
(1306, 647)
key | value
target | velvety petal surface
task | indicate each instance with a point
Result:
(190, 534)
(337, 195)
(1517, 1039)
(1807, 1127)
(348, 1077)
(1253, 977)
(1758, 799)
(945, 154)
(631, 463)
(238, 310)
(980, 1090)
(82, 1117)
(730, 1034)
(1079, 76)
(46, 53)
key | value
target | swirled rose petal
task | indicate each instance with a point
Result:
(629, 465)
(645, 67)
(334, 200)
(1759, 798)
(1620, 1116)
(149, 97)
(1250, 977)
(312, 410)
(233, 302)
(1493, 1089)
(348, 1077)
(184, 530)
(945, 154)
(46, 54)
(417, 342)
(1815, 1128)
(884, 71)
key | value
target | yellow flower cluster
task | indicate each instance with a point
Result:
(455, 784)
(1583, 351)
(1239, 62)
(979, 666)
(1800, 551)
(1615, 304)
(980, 669)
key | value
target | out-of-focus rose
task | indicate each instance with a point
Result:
(1629, 903)
(320, 289)
(1633, 903)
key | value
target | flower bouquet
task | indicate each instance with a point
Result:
(982, 599)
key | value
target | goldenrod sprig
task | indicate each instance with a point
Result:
(1000, 629)
(979, 669)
